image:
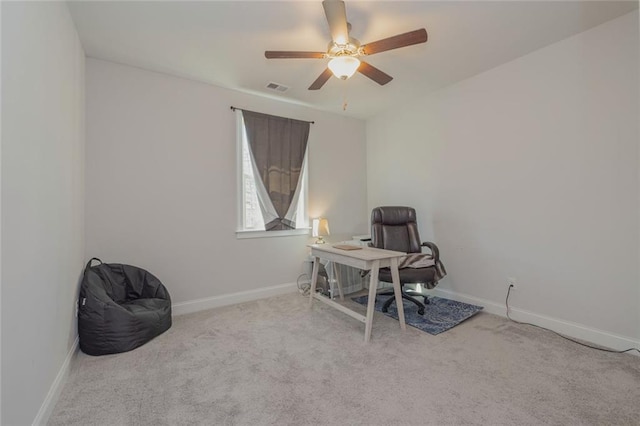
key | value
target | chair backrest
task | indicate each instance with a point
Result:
(395, 228)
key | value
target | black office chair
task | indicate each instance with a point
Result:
(395, 228)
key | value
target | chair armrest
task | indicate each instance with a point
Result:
(434, 249)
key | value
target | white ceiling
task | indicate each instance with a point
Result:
(223, 42)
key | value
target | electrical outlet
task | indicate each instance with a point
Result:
(511, 282)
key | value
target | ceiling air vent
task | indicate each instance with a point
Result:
(277, 87)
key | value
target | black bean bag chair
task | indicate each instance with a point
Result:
(120, 308)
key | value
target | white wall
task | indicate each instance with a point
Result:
(42, 200)
(161, 182)
(529, 170)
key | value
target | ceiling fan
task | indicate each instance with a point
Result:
(344, 51)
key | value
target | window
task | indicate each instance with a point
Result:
(251, 222)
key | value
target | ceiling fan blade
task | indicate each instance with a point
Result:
(320, 81)
(277, 54)
(395, 42)
(336, 15)
(374, 73)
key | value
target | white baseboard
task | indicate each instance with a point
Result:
(197, 305)
(56, 387)
(574, 330)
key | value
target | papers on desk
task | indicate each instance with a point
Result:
(346, 247)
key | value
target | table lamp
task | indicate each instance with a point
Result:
(319, 229)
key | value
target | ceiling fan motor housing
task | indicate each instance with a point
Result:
(352, 48)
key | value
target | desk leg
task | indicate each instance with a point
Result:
(337, 280)
(314, 280)
(373, 288)
(397, 291)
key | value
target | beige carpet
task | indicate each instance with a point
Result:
(274, 362)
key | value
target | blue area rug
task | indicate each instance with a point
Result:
(439, 315)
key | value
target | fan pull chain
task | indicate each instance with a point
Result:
(344, 96)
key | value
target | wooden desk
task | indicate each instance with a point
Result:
(367, 258)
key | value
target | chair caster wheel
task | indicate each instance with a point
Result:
(421, 311)
(426, 300)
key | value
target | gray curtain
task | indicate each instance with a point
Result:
(278, 147)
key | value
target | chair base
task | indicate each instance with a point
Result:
(407, 296)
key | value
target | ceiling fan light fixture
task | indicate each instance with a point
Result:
(344, 67)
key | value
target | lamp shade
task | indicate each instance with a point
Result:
(344, 67)
(319, 229)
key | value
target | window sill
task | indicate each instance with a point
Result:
(271, 234)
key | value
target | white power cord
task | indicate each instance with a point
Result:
(506, 302)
